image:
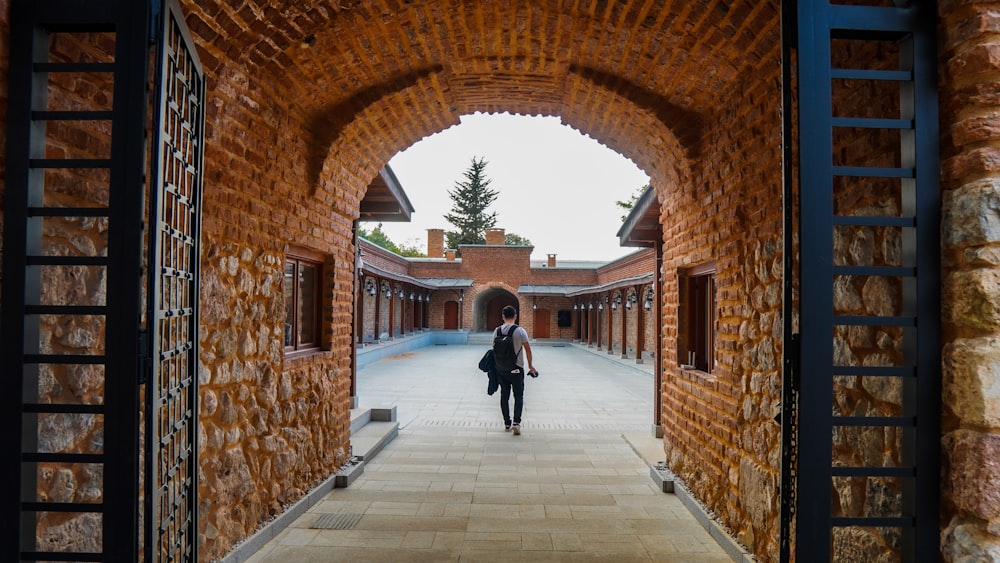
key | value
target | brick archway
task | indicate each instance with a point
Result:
(488, 305)
(686, 91)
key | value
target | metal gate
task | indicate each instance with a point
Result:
(74, 297)
(868, 385)
(175, 210)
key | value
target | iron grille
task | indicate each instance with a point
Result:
(175, 204)
(869, 389)
(71, 285)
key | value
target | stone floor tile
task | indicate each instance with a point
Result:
(567, 542)
(358, 538)
(431, 509)
(464, 487)
(615, 543)
(567, 498)
(531, 511)
(330, 554)
(492, 541)
(297, 536)
(385, 522)
(632, 512)
(551, 488)
(550, 525)
(446, 540)
(418, 540)
(558, 511)
(602, 511)
(529, 488)
(261, 556)
(657, 544)
(535, 542)
(494, 511)
(453, 510)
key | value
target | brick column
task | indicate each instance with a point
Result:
(495, 237)
(435, 243)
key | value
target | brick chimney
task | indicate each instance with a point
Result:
(495, 236)
(552, 260)
(435, 243)
(450, 254)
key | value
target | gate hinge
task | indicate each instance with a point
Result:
(795, 361)
(143, 369)
(155, 9)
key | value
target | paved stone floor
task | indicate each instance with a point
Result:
(453, 486)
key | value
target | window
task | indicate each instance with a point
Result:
(697, 318)
(303, 271)
(564, 319)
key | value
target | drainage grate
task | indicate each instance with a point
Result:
(346, 521)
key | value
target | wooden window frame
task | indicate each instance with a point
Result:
(300, 258)
(698, 316)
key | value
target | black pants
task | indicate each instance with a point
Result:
(511, 381)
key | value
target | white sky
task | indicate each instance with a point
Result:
(556, 186)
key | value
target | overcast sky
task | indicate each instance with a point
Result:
(556, 186)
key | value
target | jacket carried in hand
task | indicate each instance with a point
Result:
(488, 365)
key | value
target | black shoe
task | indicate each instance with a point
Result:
(506, 427)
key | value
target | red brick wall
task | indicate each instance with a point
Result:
(719, 432)
(640, 262)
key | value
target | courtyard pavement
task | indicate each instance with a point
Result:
(454, 486)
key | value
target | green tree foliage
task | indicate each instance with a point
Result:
(628, 205)
(470, 199)
(513, 239)
(377, 236)
(411, 251)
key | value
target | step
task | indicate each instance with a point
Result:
(372, 438)
(371, 429)
(359, 418)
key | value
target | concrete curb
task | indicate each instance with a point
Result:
(665, 481)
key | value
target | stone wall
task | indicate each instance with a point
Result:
(970, 104)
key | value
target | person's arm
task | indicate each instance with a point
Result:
(527, 356)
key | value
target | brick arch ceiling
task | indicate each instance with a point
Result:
(643, 77)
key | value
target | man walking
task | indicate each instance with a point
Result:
(510, 350)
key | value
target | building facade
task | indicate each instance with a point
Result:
(607, 305)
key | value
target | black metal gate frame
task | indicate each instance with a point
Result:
(171, 450)
(174, 252)
(809, 28)
(31, 22)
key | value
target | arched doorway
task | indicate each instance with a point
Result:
(488, 307)
(717, 140)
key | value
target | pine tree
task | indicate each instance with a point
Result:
(470, 199)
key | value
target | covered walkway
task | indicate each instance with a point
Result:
(453, 486)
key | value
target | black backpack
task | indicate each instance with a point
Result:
(504, 356)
